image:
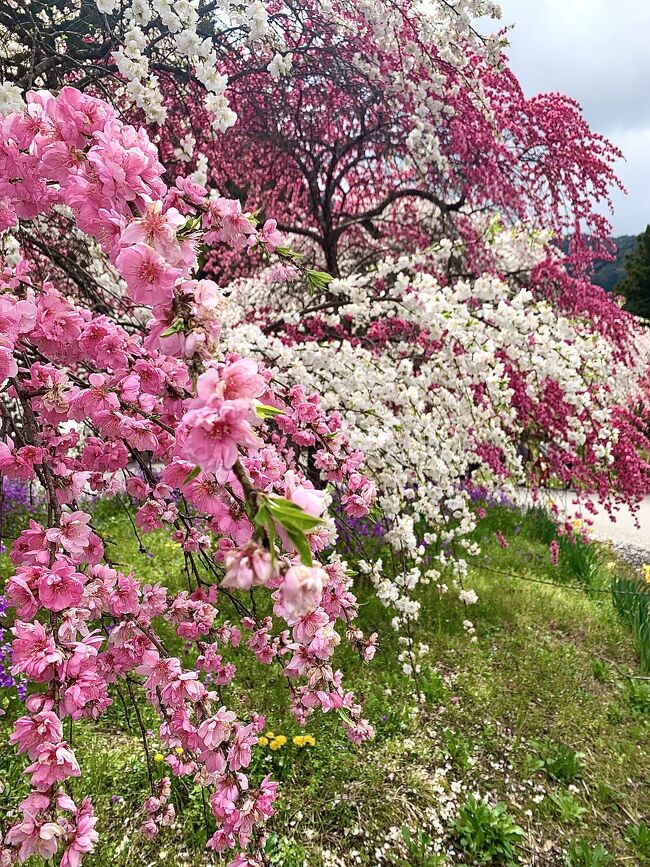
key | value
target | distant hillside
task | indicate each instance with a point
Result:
(607, 274)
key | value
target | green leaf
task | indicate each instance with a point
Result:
(189, 225)
(347, 719)
(301, 544)
(263, 520)
(318, 279)
(263, 410)
(192, 475)
(288, 253)
(294, 520)
(290, 515)
(176, 326)
(406, 835)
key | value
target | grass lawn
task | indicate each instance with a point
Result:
(535, 715)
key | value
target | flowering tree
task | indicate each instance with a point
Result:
(203, 443)
(125, 370)
(152, 60)
(422, 130)
(446, 385)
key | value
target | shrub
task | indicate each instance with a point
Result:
(419, 848)
(558, 761)
(580, 854)
(638, 696)
(487, 833)
(638, 836)
(567, 807)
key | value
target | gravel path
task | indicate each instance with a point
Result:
(634, 555)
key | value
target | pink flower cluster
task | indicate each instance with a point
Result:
(98, 408)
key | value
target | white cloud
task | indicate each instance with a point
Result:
(632, 211)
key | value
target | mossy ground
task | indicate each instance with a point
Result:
(535, 714)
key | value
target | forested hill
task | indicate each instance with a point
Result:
(607, 274)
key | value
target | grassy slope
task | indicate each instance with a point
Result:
(503, 716)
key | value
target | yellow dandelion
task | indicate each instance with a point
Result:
(269, 735)
(646, 571)
(159, 757)
(278, 742)
(304, 741)
(179, 751)
(263, 742)
(577, 523)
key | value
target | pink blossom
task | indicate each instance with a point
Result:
(60, 587)
(213, 433)
(149, 829)
(84, 835)
(360, 731)
(31, 546)
(34, 652)
(156, 229)
(35, 836)
(300, 590)
(54, 763)
(228, 223)
(554, 549)
(124, 598)
(8, 365)
(85, 695)
(149, 278)
(216, 729)
(30, 732)
(185, 687)
(73, 532)
(239, 753)
(247, 567)
(270, 235)
(21, 593)
(303, 494)
(159, 672)
(237, 379)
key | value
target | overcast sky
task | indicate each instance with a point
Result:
(597, 51)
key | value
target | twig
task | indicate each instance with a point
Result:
(620, 671)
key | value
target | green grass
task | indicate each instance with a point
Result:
(631, 598)
(530, 715)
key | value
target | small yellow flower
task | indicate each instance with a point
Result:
(179, 751)
(159, 757)
(646, 571)
(277, 742)
(577, 523)
(263, 742)
(270, 735)
(304, 741)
